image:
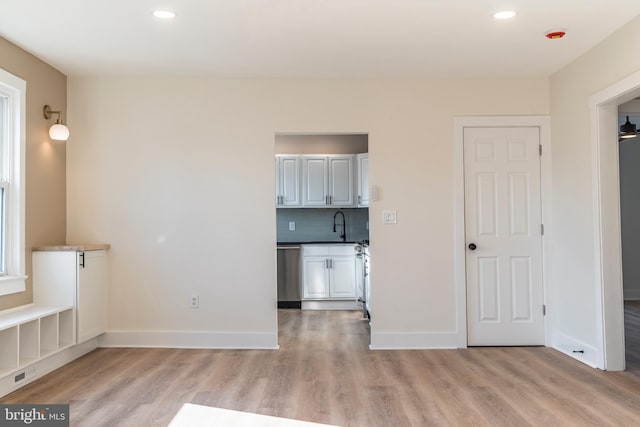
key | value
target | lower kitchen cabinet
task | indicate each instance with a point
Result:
(328, 272)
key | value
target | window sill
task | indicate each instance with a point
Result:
(12, 284)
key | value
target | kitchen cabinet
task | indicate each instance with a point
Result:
(328, 180)
(328, 272)
(288, 181)
(75, 278)
(363, 179)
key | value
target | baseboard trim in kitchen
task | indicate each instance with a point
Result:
(191, 339)
(413, 341)
(331, 305)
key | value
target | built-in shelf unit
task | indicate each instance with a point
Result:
(31, 333)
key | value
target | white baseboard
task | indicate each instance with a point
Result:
(179, 339)
(572, 347)
(331, 305)
(413, 341)
(44, 366)
(632, 294)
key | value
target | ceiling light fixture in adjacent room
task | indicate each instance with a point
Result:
(164, 14)
(505, 14)
(58, 131)
(628, 130)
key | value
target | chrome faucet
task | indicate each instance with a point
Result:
(343, 236)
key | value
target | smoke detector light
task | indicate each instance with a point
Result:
(505, 14)
(555, 34)
(164, 14)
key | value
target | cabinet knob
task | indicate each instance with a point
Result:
(472, 246)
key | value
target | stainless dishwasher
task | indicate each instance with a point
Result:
(289, 276)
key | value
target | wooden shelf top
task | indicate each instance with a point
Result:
(72, 248)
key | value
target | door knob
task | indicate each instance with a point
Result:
(472, 246)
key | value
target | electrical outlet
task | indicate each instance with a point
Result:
(195, 301)
(389, 217)
(292, 226)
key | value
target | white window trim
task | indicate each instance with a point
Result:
(16, 89)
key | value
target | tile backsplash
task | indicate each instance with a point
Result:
(317, 224)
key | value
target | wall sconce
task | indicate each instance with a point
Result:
(58, 131)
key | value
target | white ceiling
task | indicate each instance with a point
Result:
(310, 38)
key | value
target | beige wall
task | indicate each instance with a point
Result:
(45, 160)
(573, 292)
(321, 144)
(177, 174)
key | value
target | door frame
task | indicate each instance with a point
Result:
(459, 237)
(605, 173)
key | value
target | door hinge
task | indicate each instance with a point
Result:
(544, 310)
(540, 149)
(542, 229)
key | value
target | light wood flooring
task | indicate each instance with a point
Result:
(325, 373)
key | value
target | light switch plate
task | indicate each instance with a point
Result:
(292, 226)
(374, 193)
(389, 217)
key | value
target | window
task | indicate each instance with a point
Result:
(12, 182)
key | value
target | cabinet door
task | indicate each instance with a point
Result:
(315, 277)
(278, 181)
(363, 180)
(341, 181)
(290, 181)
(342, 277)
(90, 294)
(314, 171)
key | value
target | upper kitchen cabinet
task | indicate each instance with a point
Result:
(363, 179)
(328, 180)
(288, 181)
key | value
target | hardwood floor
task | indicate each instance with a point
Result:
(632, 335)
(324, 372)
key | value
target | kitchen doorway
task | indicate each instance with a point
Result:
(322, 224)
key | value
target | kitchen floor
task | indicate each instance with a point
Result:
(324, 372)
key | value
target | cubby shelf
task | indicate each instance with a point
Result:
(31, 333)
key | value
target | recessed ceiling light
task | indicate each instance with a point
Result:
(164, 14)
(505, 14)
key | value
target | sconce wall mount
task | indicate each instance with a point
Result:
(58, 131)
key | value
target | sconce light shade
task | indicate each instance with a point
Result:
(59, 132)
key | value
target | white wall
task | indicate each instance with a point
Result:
(574, 292)
(177, 174)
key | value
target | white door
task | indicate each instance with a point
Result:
(503, 236)
(342, 271)
(290, 181)
(314, 170)
(90, 303)
(341, 181)
(315, 277)
(363, 180)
